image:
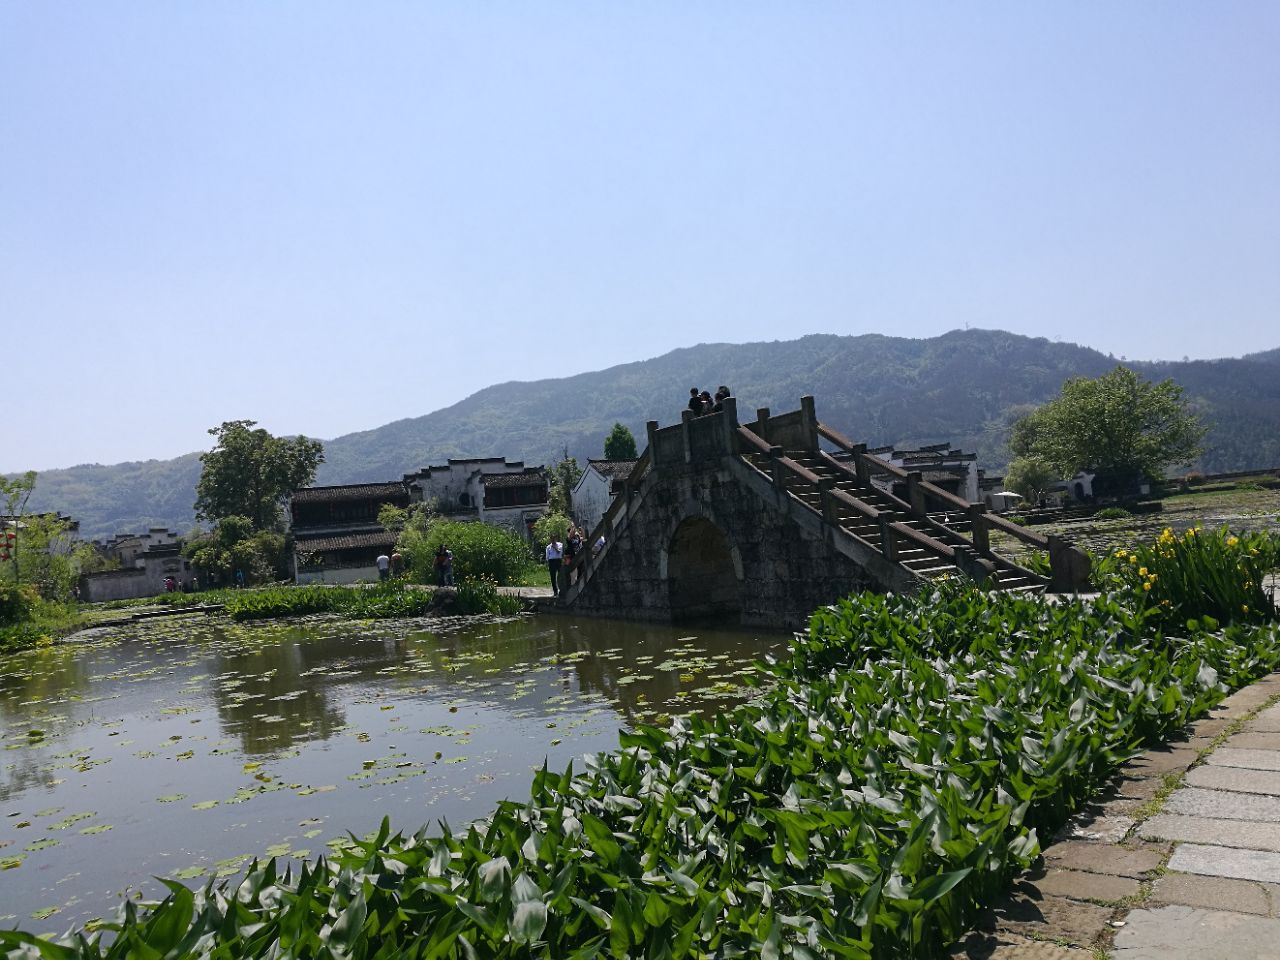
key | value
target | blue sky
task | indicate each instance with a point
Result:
(327, 216)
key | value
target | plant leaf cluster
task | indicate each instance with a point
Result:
(903, 763)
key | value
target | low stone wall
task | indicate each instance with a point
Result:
(338, 575)
(129, 584)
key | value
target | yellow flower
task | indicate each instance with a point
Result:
(1146, 585)
(1142, 571)
(1152, 578)
(1133, 558)
(1244, 608)
(1232, 541)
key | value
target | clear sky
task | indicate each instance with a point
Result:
(328, 216)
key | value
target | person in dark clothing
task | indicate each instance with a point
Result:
(705, 402)
(722, 394)
(695, 401)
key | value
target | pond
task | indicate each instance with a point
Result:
(184, 747)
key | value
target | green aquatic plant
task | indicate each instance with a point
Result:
(902, 763)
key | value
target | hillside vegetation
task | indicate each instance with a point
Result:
(965, 386)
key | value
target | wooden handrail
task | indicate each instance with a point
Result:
(922, 540)
(937, 494)
(616, 507)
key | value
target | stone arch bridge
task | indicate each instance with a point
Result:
(761, 523)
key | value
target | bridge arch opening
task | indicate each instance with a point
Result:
(701, 574)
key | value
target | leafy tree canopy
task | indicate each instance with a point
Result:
(1119, 424)
(620, 444)
(564, 477)
(250, 473)
(1030, 477)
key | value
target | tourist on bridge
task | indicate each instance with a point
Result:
(695, 401)
(722, 394)
(705, 402)
(555, 553)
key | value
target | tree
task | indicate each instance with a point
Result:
(14, 494)
(234, 545)
(250, 473)
(620, 444)
(1118, 425)
(1030, 477)
(564, 477)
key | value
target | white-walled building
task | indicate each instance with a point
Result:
(490, 489)
(596, 488)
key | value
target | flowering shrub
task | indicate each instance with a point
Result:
(1199, 574)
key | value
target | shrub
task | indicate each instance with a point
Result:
(1198, 575)
(480, 551)
(17, 602)
(1112, 513)
(482, 596)
(1193, 479)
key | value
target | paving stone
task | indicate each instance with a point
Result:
(1098, 829)
(1221, 805)
(1137, 788)
(1077, 885)
(1104, 858)
(1175, 932)
(1235, 779)
(1226, 756)
(1250, 697)
(1227, 862)
(1003, 946)
(1267, 720)
(1222, 833)
(1209, 727)
(1054, 918)
(1157, 763)
(1248, 739)
(1212, 893)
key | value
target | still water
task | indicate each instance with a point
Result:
(184, 747)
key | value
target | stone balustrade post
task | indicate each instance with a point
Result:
(776, 470)
(915, 493)
(809, 423)
(729, 421)
(860, 465)
(981, 532)
(651, 430)
(762, 423)
(825, 487)
(686, 418)
(888, 540)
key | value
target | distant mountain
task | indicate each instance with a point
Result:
(966, 386)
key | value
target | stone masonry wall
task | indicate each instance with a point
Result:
(783, 571)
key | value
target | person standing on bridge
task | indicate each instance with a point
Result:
(695, 401)
(555, 553)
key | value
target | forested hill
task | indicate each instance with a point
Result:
(965, 387)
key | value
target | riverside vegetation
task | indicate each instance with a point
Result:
(902, 763)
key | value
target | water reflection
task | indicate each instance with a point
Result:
(180, 748)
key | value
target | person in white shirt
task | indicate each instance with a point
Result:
(555, 553)
(384, 566)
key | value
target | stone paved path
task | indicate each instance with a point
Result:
(1180, 860)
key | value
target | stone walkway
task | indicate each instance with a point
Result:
(1180, 859)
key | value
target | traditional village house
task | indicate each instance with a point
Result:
(146, 561)
(337, 537)
(596, 488)
(489, 489)
(336, 534)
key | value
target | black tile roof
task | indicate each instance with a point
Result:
(614, 469)
(351, 491)
(346, 541)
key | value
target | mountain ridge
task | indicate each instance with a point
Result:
(965, 386)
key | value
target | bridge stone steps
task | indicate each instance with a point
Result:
(948, 529)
